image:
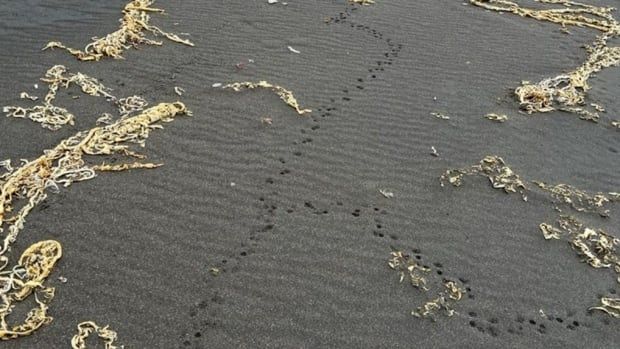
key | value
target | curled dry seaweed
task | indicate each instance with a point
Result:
(494, 168)
(566, 91)
(286, 95)
(609, 305)
(48, 115)
(23, 280)
(409, 268)
(85, 329)
(445, 300)
(134, 26)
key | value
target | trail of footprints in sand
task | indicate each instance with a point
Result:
(206, 313)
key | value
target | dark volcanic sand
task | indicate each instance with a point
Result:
(304, 235)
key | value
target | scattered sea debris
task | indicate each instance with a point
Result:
(363, 2)
(179, 90)
(47, 114)
(566, 91)
(609, 305)
(133, 31)
(386, 193)
(496, 117)
(25, 279)
(445, 300)
(86, 328)
(409, 268)
(293, 50)
(495, 169)
(434, 152)
(286, 95)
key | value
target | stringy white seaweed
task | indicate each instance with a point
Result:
(49, 115)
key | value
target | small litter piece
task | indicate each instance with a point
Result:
(362, 2)
(266, 121)
(616, 124)
(440, 116)
(293, 50)
(62, 279)
(134, 25)
(25, 95)
(286, 95)
(179, 90)
(387, 194)
(434, 152)
(609, 305)
(215, 271)
(496, 117)
(85, 329)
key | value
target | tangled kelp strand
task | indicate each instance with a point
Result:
(25, 279)
(494, 168)
(49, 115)
(134, 26)
(286, 95)
(130, 105)
(609, 305)
(65, 164)
(445, 300)
(566, 91)
(86, 328)
(409, 268)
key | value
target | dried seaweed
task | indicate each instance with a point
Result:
(23, 280)
(494, 168)
(409, 268)
(86, 328)
(616, 124)
(566, 91)
(609, 305)
(25, 187)
(444, 300)
(47, 114)
(597, 248)
(130, 105)
(286, 95)
(135, 25)
(578, 199)
(496, 117)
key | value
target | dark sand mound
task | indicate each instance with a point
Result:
(303, 236)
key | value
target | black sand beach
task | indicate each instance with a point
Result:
(291, 213)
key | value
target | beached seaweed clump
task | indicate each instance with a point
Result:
(135, 24)
(409, 268)
(566, 92)
(86, 328)
(286, 95)
(495, 169)
(23, 188)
